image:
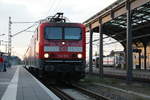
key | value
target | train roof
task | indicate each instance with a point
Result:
(61, 23)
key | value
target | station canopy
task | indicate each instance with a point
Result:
(116, 27)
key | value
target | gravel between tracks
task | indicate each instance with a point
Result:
(106, 92)
(115, 94)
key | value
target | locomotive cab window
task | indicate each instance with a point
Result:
(72, 33)
(66, 33)
(53, 33)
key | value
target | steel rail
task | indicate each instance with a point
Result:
(90, 93)
(61, 94)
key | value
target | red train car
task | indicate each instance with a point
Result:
(58, 48)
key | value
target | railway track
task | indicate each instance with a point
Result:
(61, 94)
(89, 95)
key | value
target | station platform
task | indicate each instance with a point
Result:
(18, 84)
(141, 74)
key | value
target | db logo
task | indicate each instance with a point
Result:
(66, 56)
(63, 49)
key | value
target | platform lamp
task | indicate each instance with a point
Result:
(5, 44)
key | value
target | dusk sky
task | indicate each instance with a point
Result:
(34, 10)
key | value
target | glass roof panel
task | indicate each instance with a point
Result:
(139, 15)
(147, 16)
(139, 8)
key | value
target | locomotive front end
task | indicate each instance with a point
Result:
(64, 48)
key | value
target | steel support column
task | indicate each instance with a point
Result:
(90, 50)
(145, 56)
(139, 60)
(129, 42)
(101, 49)
(125, 55)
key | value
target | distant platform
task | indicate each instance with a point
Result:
(18, 84)
(140, 74)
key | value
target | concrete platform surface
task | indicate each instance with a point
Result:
(113, 71)
(18, 84)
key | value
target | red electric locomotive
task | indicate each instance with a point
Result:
(58, 48)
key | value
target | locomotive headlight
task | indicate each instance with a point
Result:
(46, 55)
(63, 43)
(79, 55)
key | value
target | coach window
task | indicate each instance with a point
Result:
(72, 33)
(53, 33)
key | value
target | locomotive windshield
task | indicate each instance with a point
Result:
(72, 33)
(67, 33)
(53, 33)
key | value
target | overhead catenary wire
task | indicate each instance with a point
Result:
(51, 3)
(59, 6)
(56, 6)
(23, 30)
(52, 6)
(23, 22)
